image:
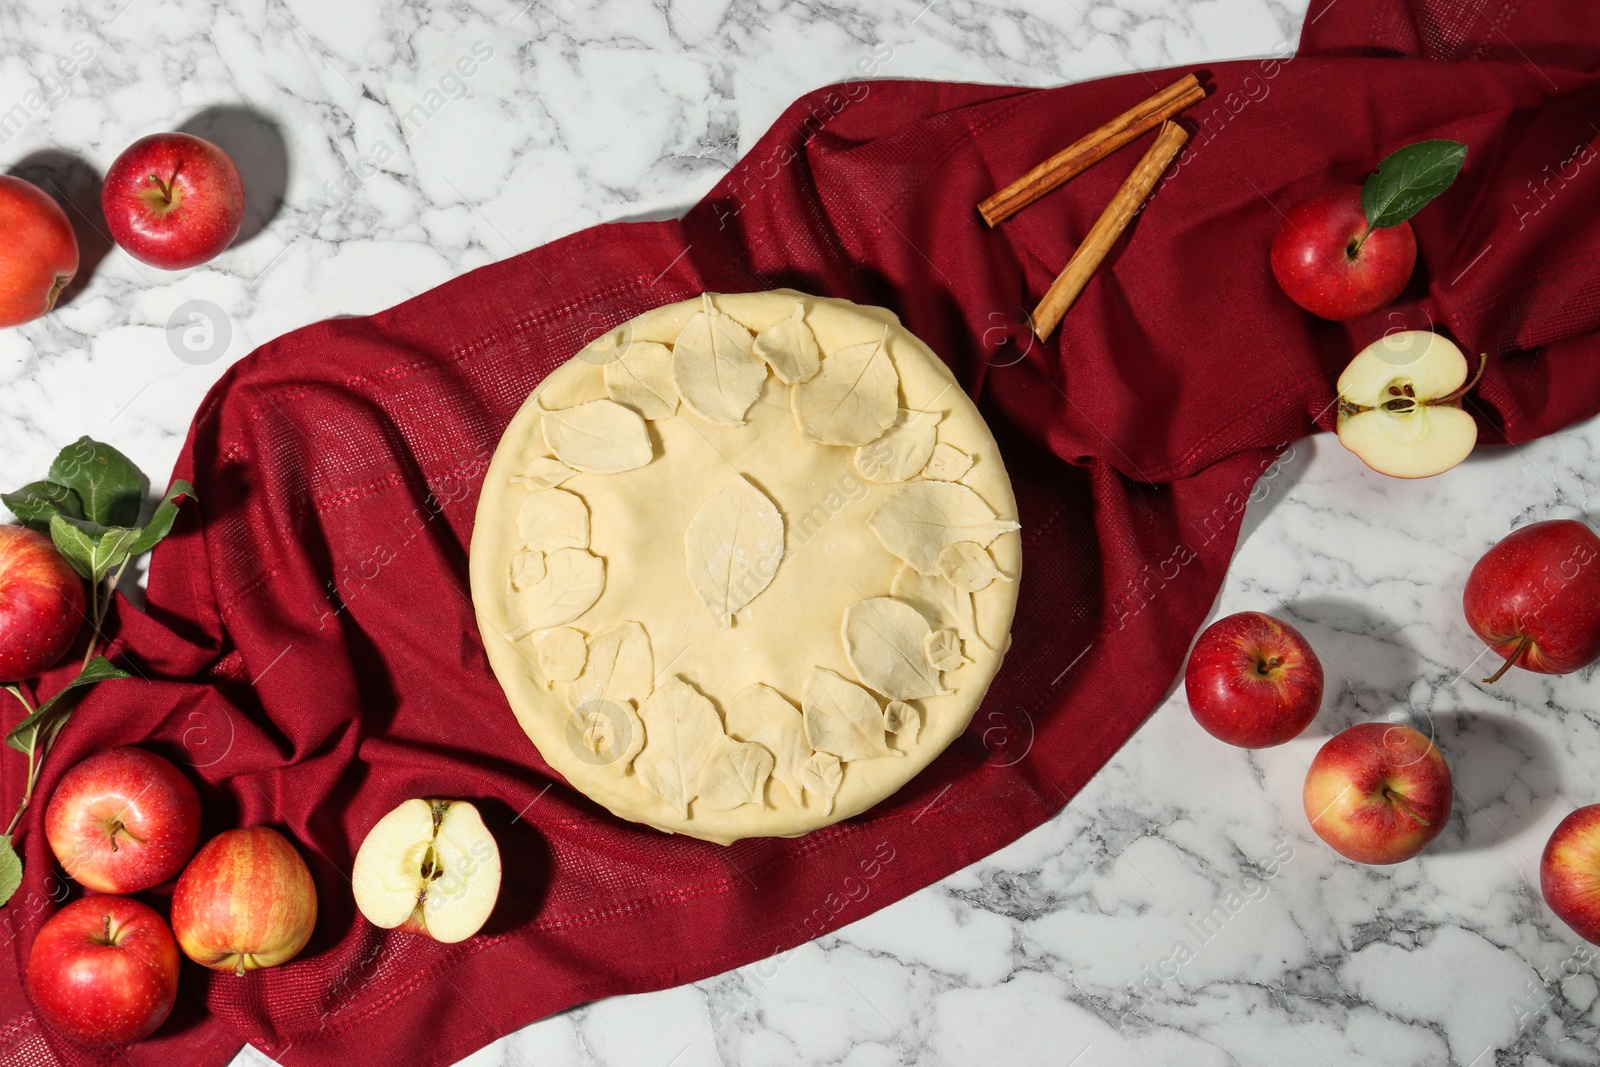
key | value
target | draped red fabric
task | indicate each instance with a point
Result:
(310, 653)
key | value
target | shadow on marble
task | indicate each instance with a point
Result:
(1367, 669)
(660, 214)
(1506, 777)
(1275, 484)
(254, 141)
(75, 183)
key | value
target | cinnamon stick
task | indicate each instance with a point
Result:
(1106, 229)
(1091, 148)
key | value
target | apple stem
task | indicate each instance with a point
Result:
(1483, 361)
(1355, 248)
(238, 970)
(166, 189)
(1516, 654)
(1404, 805)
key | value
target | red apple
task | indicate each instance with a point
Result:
(1332, 264)
(104, 971)
(1569, 872)
(41, 603)
(245, 902)
(38, 251)
(1253, 680)
(123, 820)
(1534, 598)
(173, 200)
(1378, 793)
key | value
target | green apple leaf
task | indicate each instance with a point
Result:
(75, 539)
(10, 870)
(48, 718)
(107, 482)
(166, 514)
(35, 502)
(1406, 180)
(92, 549)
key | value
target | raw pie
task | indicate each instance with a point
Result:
(746, 564)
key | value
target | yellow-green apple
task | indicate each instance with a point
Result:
(123, 820)
(1378, 792)
(1253, 680)
(1569, 872)
(173, 200)
(1400, 405)
(246, 901)
(41, 603)
(38, 251)
(428, 867)
(1534, 598)
(104, 971)
(1330, 262)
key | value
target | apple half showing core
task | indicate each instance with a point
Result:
(428, 867)
(1400, 405)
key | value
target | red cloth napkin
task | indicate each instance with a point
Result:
(310, 647)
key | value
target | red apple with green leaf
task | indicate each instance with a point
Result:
(123, 820)
(104, 971)
(1378, 793)
(173, 200)
(1348, 250)
(1534, 598)
(41, 603)
(38, 251)
(1253, 681)
(1569, 872)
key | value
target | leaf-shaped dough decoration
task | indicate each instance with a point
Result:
(734, 774)
(822, 775)
(681, 732)
(562, 652)
(968, 566)
(899, 454)
(902, 721)
(883, 640)
(936, 599)
(606, 733)
(790, 348)
(852, 400)
(943, 649)
(573, 580)
(947, 464)
(550, 519)
(542, 472)
(761, 714)
(715, 371)
(526, 570)
(600, 437)
(620, 667)
(641, 378)
(917, 521)
(732, 547)
(841, 717)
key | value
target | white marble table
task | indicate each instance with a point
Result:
(1061, 948)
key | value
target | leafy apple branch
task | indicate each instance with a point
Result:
(89, 504)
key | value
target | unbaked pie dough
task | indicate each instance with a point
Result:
(746, 564)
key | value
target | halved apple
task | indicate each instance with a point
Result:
(1400, 405)
(428, 867)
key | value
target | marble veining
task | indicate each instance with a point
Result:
(1179, 910)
